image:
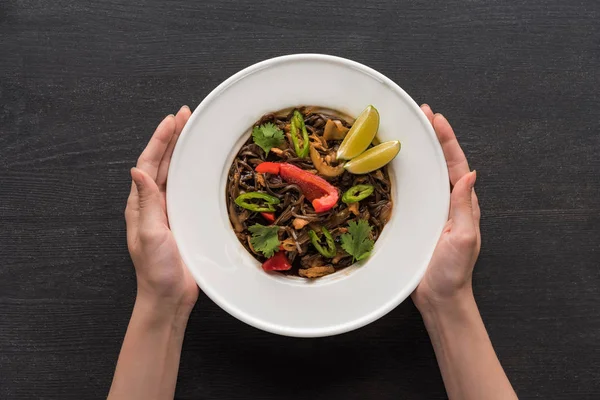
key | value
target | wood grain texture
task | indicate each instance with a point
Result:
(83, 84)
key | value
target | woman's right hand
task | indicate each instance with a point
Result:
(448, 277)
(468, 363)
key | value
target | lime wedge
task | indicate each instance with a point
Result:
(374, 158)
(360, 135)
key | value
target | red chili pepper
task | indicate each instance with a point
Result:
(268, 167)
(278, 262)
(268, 216)
(317, 190)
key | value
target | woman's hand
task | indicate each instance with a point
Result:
(166, 292)
(163, 281)
(448, 277)
(467, 361)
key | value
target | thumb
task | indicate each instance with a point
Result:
(461, 208)
(148, 196)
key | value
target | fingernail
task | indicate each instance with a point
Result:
(135, 176)
(186, 106)
(425, 105)
(473, 178)
(171, 115)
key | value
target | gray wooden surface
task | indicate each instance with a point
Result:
(83, 84)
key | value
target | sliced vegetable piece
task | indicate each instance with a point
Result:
(374, 158)
(297, 122)
(329, 249)
(334, 130)
(268, 168)
(289, 244)
(386, 213)
(299, 223)
(278, 262)
(235, 219)
(316, 272)
(361, 134)
(353, 207)
(357, 193)
(317, 190)
(262, 202)
(322, 167)
(269, 216)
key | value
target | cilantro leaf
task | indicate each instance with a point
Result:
(265, 239)
(267, 136)
(357, 242)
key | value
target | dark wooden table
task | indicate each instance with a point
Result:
(84, 83)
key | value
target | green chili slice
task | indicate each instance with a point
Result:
(298, 123)
(262, 202)
(329, 249)
(357, 193)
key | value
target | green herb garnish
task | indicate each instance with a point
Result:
(267, 136)
(357, 242)
(265, 239)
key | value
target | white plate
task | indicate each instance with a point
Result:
(229, 275)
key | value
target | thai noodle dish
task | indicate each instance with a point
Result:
(309, 192)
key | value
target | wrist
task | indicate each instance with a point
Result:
(456, 318)
(456, 305)
(160, 313)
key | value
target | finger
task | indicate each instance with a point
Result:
(476, 216)
(149, 160)
(150, 209)
(132, 213)
(455, 158)
(461, 206)
(476, 209)
(428, 112)
(181, 119)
